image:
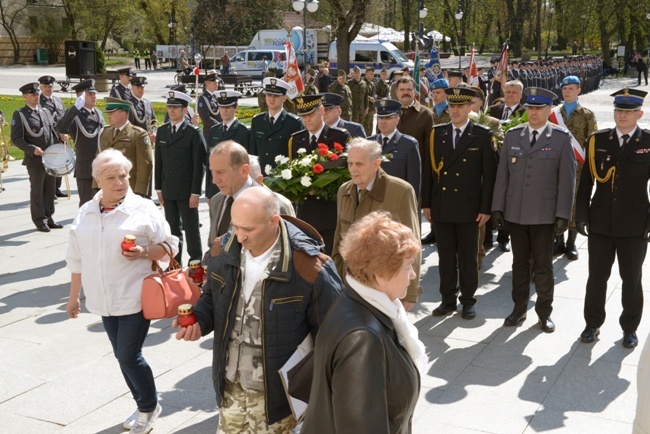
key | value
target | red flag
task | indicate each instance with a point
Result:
(292, 74)
(473, 73)
(502, 70)
(556, 118)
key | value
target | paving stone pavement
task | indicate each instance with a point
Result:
(60, 376)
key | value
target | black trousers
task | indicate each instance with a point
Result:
(631, 253)
(458, 266)
(645, 75)
(85, 189)
(536, 242)
(41, 195)
(181, 217)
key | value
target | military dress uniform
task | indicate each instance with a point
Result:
(458, 180)
(135, 144)
(179, 166)
(56, 108)
(122, 92)
(334, 100)
(142, 115)
(533, 194)
(208, 108)
(84, 127)
(346, 93)
(268, 140)
(235, 131)
(31, 129)
(319, 213)
(617, 217)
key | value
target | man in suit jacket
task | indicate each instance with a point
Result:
(228, 129)
(55, 106)
(208, 108)
(372, 189)
(456, 198)
(533, 195)
(122, 90)
(404, 155)
(504, 111)
(321, 214)
(415, 119)
(84, 122)
(132, 141)
(271, 130)
(179, 169)
(616, 219)
(332, 116)
(32, 130)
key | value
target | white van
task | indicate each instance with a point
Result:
(249, 62)
(378, 54)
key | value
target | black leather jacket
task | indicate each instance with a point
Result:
(364, 380)
(296, 296)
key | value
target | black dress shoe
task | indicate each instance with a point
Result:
(59, 193)
(54, 225)
(547, 325)
(504, 247)
(589, 334)
(559, 249)
(514, 319)
(571, 252)
(468, 312)
(430, 238)
(444, 309)
(630, 340)
(43, 228)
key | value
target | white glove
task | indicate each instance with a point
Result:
(81, 101)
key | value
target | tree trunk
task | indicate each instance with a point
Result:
(342, 49)
(538, 29)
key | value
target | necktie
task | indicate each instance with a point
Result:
(457, 138)
(272, 119)
(224, 224)
(385, 140)
(225, 128)
(115, 131)
(313, 142)
(532, 142)
(362, 194)
(506, 114)
(173, 129)
(625, 138)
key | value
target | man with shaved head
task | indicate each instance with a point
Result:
(268, 290)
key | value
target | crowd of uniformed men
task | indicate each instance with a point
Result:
(464, 170)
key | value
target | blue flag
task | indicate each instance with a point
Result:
(434, 71)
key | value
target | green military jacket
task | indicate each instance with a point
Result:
(381, 89)
(346, 105)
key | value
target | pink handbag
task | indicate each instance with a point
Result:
(164, 291)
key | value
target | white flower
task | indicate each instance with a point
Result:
(284, 160)
(278, 158)
(268, 169)
(286, 174)
(305, 180)
(305, 162)
(302, 151)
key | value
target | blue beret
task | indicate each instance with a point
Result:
(440, 83)
(570, 79)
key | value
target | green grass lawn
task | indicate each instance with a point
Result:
(9, 104)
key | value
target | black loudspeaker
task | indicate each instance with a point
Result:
(80, 59)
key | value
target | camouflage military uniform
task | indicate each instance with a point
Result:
(243, 408)
(369, 117)
(309, 89)
(581, 124)
(443, 118)
(381, 89)
(359, 99)
(346, 105)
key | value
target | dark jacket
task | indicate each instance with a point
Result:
(295, 298)
(405, 159)
(364, 380)
(266, 141)
(31, 131)
(619, 207)
(463, 187)
(238, 132)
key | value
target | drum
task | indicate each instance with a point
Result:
(58, 160)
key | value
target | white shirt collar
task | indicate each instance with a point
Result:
(390, 136)
(462, 129)
(317, 133)
(631, 133)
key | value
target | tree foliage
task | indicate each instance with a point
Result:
(11, 13)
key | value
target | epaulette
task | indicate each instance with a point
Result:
(602, 131)
(196, 127)
(645, 130)
(293, 116)
(259, 114)
(300, 132)
(517, 128)
(339, 130)
(441, 125)
(559, 128)
(485, 127)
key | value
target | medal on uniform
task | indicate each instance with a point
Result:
(514, 160)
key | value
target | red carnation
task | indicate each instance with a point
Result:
(338, 147)
(317, 168)
(323, 151)
(323, 146)
(333, 157)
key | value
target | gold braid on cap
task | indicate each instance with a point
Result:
(592, 165)
(437, 168)
(290, 148)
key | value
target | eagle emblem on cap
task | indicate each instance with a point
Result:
(224, 94)
(300, 101)
(626, 92)
(171, 94)
(273, 81)
(533, 91)
(383, 103)
(456, 91)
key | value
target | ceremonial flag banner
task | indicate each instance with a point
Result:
(556, 118)
(502, 70)
(416, 72)
(292, 74)
(434, 71)
(473, 73)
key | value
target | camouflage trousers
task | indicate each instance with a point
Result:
(243, 412)
(368, 119)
